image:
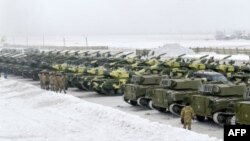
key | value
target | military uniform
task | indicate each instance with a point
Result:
(47, 81)
(54, 82)
(42, 80)
(57, 83)
(51, 80)
(187, 114)
(63, 83)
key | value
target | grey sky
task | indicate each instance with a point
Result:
(73, 17)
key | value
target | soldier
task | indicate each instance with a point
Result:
(57, 82)
(51, 80)
(54, 81)
(47, 82)
(187, 114)
(43, 79)
(63, 83)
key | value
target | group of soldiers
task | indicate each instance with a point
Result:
(53, 81)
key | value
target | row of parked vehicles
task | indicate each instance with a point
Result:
(217, 90)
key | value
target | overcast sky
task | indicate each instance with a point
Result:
(73, 17)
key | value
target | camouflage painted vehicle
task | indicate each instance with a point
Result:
(198, 64)
(228, 69)
(242, 113)
(95, 73)
(141, 64)
(138, 86)
(174, 94)
(112, 83)
(83, 80)
(74, 77)
(216, 101)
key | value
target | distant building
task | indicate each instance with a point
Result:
(232, 36)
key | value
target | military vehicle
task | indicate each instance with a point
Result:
(227, 69)
(140, 64)
(242, 113)
(112, 83)
(174, 94)
(198, 64)
(138, 87)
(94, 73)
(216, 101)
(206, 76)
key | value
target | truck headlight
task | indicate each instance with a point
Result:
(216, 89)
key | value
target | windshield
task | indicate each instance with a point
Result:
(220, 78)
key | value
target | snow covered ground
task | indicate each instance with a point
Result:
(31, 114)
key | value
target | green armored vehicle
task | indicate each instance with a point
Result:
(216, 101)
(134, 91)
(112, 83)
(242, 110)
(206, 76)
(175, 94)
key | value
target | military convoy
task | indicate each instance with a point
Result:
(216, 91)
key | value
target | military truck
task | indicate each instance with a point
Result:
(138, 86)
(175, 94)
(205, 76)
(242, 113)
(216, 101)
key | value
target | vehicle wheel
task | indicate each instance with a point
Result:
(200, 118)
(150, 105)
(142, 101)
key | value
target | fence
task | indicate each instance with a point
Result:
(58, 47)
(222, 50)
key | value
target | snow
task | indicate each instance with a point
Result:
(173, 50)
(31, 114)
